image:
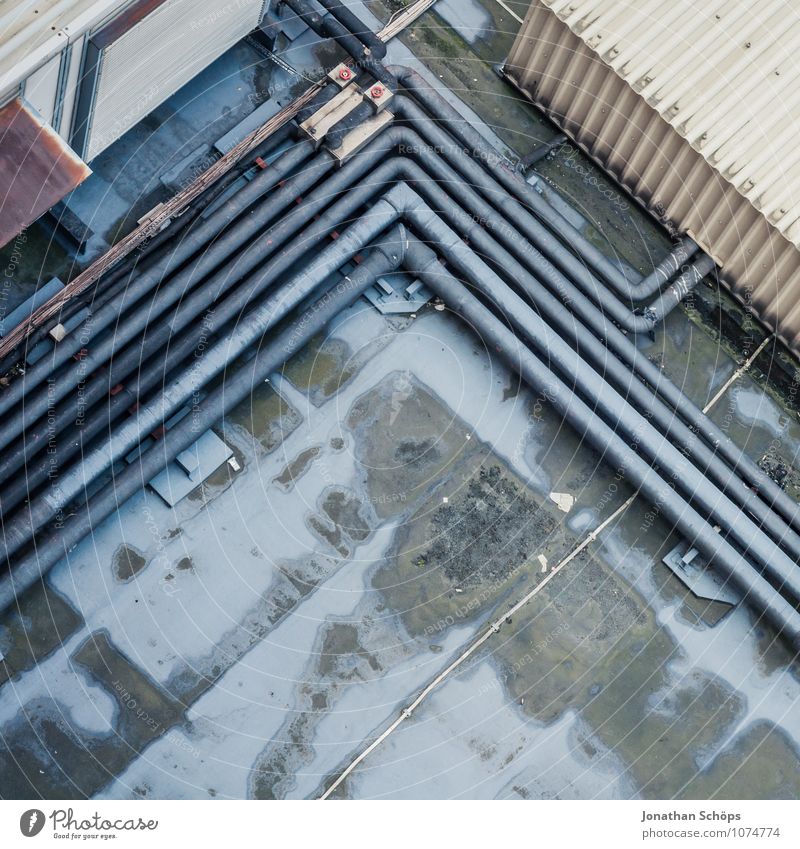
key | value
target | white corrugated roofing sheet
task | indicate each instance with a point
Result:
(725, 74)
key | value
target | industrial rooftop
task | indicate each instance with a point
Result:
(363, 437)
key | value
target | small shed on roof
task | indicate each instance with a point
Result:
(694, 107)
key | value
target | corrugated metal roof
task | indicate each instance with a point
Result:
(37, 168)
(725, 74)
(32, 31)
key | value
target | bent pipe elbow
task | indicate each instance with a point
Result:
(327, 26)
(668, 300)
(685, 250)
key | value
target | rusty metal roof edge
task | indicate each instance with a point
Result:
(43, 168)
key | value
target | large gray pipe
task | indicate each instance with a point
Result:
(421, 148)
(384, 258)
(155, 325)
(205, 231)
(741, 494)
(408, 203)
(605, 400)
(473, 142)
(356, 26)
(23, 526)
(218, 249)
(125, 327)
(39, 405)
(726, 560)
(328, 26)
(565, 287)
(187, 314)
(646, 401)
(485, 180)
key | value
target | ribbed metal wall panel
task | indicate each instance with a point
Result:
(71, 85)
(751, 235)
(142, 66)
